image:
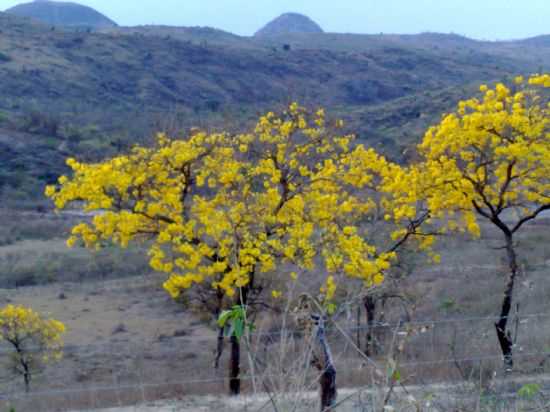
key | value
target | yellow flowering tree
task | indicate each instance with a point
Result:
(34, 339)
(491, 161)
(397, 218)
(225, 213)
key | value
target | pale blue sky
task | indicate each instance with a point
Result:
(482, 19)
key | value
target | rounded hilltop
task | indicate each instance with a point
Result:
(289, 23)
(58, 13)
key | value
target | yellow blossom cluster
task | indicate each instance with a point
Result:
(490, 156)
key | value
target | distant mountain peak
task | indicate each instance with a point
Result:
(61, 13)
(289, 23)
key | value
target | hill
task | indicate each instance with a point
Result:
(543, 40)
(289, 23)
(62, 14)
(199, 35)
(92, 94)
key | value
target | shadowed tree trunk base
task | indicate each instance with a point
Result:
(370, 310)
(506, 344)
(328, 389)
(324, 363)
(234, 367)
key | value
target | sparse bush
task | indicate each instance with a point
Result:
(40, 123)
(4, 58)
(4, 117)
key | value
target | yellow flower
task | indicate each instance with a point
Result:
(330, 288)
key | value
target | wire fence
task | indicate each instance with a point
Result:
(453, 350)
(213, 334)
(506, 397)
(246, 377)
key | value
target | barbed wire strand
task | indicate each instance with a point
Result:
(248, 377)
(71, 348)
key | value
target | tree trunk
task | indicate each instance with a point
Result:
(234, 367)
(370, 309)
(327, 380)
(27, 382)
(24, 362)
(26, 376)
(221, 329)
(235, 358)
(328, 388)
(219, 347)
(504, 335)
(358, 327)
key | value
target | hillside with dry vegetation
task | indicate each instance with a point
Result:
(164, 78)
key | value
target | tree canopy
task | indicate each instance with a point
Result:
(491, 159)
(35, 340)
(224, 210)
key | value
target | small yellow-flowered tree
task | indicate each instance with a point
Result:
(225, 213)
(491, 161)
(34, 340)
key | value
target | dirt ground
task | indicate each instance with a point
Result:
(95, 311)
(427, 398)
